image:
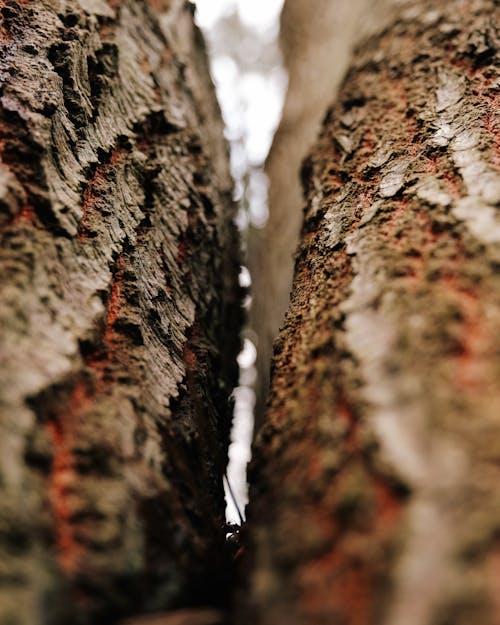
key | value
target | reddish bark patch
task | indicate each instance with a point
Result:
(345, 412)
(61, 477)
(473, 337)
(100, 360)
(115, 295)
(181, 252)
(336, 586)
(27, 214)
(96, 190)
(343, 582)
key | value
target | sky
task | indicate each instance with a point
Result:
(242, 38)
(260, 14)
(250, 82)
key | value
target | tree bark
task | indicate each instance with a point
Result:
(374, 484)
(310, 36)
(317, 41)
(119, 312)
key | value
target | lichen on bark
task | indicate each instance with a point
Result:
(119, 312)
(374, 483)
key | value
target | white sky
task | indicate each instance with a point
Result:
(261, 14)
(251, 102)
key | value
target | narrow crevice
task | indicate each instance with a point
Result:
(249, 80)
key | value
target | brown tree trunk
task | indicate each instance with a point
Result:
(375, 492)
(311, 35)
(119, 312)
(317, 40)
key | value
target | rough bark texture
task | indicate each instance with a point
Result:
(317, 41)
(310, 36)
(374, 484)
(118, 312)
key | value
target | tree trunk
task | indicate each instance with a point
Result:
(317, 42)
(374, 484)
(119, 312)
(310, 36)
